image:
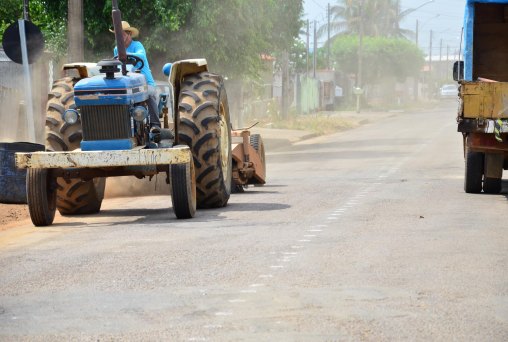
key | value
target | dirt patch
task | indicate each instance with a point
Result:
(11, 213)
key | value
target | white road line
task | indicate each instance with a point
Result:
(265, 276)
(315, 230)
(212, 326)
(303, 240)
(257, 285)
(223, 313)
(309, 235)
(296, 247)
(276, 266)
(248, 291)
(237, 300)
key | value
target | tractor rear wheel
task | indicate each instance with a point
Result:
(203, 124)
(257, 144)
(74, 196)
(41, 197)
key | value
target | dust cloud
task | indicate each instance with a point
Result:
(130, 186)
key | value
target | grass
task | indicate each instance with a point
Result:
(319, 124)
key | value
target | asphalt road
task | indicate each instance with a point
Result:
(365, 235)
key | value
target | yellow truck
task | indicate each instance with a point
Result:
(483, 92)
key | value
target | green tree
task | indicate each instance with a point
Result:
(231, 34)
(382, 57)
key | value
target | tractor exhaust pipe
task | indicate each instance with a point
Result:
(117, 26)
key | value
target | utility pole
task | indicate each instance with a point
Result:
(315, 50)
(328, 42)
(359, 75)
(285, 84)
(416, 33)
(430, 54)
(429, 78)
(440, 67)
(75, 31)
(308, 46)
(416, 78)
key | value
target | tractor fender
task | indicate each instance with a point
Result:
(179, 70)
(80, 70)
(185, 67)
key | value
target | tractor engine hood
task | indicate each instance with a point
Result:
(121, 90)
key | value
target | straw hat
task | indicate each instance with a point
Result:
(128, 28)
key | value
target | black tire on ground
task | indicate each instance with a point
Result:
(74, 196)
(257, 144)
(41, 197)
(203, 124)
(473, 172)
(492, 185)
(183, 190)
(236, 188)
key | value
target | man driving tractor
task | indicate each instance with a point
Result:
(135, 48)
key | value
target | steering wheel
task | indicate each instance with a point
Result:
(134, 60)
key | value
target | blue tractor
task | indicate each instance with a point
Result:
(97, 126)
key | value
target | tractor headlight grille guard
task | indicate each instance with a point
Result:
(106, 122)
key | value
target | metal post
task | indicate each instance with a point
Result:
(27, 81)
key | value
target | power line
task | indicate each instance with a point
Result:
(318, 4)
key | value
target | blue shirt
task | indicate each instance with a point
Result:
(137, 49)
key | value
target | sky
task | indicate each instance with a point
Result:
(443, 17)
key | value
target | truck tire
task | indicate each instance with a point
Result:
(203, 124)
(473, 172)
(41, 197)
(257, 144)
(492, 185)
(183, 190)
(74, 196)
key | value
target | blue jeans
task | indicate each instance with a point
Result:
(153, 109)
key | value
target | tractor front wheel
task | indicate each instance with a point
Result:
(41, 197)
(183, 189)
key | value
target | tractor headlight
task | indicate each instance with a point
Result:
(139, 113)
(71, 116)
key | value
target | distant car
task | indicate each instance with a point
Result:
(449, 91)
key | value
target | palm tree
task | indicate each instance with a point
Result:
(379, 18)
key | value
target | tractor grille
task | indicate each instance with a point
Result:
(105, 122)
